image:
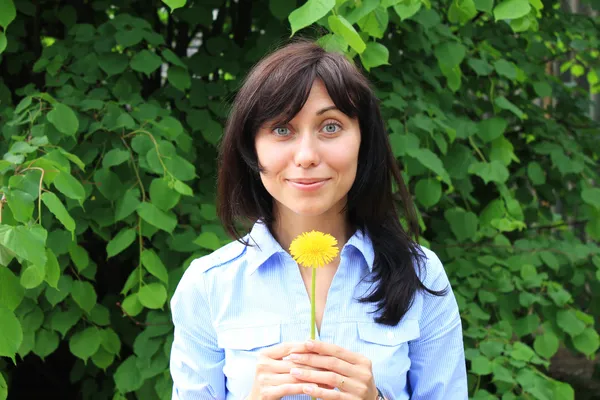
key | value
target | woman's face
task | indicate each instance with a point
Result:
(309, 165)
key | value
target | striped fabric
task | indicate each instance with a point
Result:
(239, 299)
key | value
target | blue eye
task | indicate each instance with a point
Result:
(281, 131)
(332, 128)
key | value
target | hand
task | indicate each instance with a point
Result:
(272, 380)
(350, 372)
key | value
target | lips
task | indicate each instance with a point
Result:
(308, 181)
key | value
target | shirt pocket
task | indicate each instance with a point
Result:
(249, 338)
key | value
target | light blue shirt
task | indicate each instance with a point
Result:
(238, 300)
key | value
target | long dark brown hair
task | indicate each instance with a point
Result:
(276, 89)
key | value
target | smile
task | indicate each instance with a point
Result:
(307, 184)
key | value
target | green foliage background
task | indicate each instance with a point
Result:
(110, 113)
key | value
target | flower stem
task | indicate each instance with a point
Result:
(312, 307)
(312, 304)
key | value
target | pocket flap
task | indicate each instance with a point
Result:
(389, 335)
(248, 338)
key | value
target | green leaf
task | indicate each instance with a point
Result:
(310, 12)
(85, 344)
(450, 54)
(542, 89)
(11, 292)
(374, 55)
(25, 242)
(431, 161)
(428, 192)
(8, 13)
(21, 204)
(153, 264)
(111, 341)
(591, 196)
(536, 173)
(146, 62)
(587, 341)
(208, 240)
(480, 365)
(3, 384)
(340, 26)
(484, 5)
(64, 119)
(493, 171)
(103, 359)
(3, 44)
(57, 208)
(156, 217)
(503, 103)
(511, 9)
(163, 195)
(120, 242)
(174, 4)
(408, 9)
(522, 352)
(179, 77)
(131, 305)
(506, 68)
(46, 342)
(80, 256)
(127, 204)
(491, 128)
(11, 334)
(567, 320)
(375, 23)
(153, 295)
(462, 223)
(171, 57)
(171, 128)
(63, 321)
(84, 295)
(69, 186)
(33, 276)
(113, 63)
(546, 345)
(115, 156)
(461, 11)
(128, 377)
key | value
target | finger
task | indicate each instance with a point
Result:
(268, 365)
(277, 392)
(328, 363)
(283, 349)
(320, 377)
(336, 351)
(325, 394)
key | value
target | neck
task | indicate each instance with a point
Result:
(288, 225)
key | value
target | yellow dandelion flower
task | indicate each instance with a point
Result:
(314, 249)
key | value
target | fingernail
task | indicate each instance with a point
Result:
(310, 344)
(308, 389)
(295, 357)
(286, 358)
(296, 371)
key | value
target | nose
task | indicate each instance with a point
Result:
(307, 151)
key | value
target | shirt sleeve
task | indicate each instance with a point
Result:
(438, 369)
(196, 360)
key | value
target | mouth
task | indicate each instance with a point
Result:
(307, 184)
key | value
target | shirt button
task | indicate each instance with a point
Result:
(390, 335)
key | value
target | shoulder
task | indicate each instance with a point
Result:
(223, 256)
(429, 267)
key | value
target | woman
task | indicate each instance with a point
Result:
(304, 149)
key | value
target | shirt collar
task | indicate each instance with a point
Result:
(263, 246)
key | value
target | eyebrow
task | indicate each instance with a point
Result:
(324, 110)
